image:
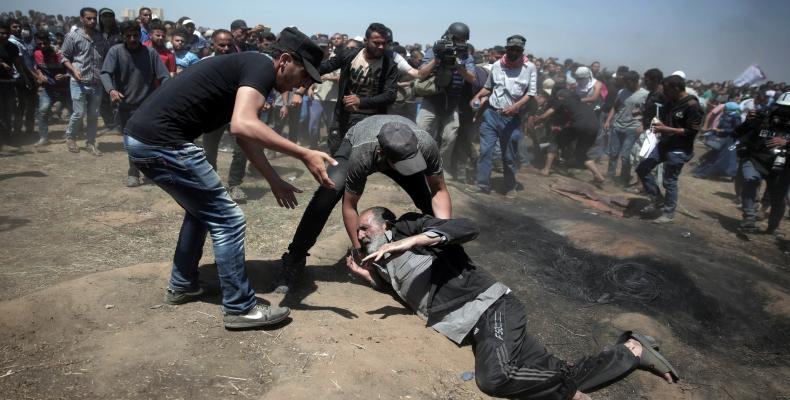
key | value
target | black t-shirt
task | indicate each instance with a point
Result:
(685, 113)
(649, 108)
(200, 99)
(580, 116)
(8, 52)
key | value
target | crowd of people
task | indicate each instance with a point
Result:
(411, 112)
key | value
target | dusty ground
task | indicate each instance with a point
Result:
(85, 262)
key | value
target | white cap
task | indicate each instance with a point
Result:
(359, 39)
(208, 33)
(680, 74)
(188, 21)
(582, 72)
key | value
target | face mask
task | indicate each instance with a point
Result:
(511, 57)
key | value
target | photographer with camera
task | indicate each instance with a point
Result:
(445, 69)
(764, 138)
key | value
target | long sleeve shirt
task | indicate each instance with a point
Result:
(134, 73)
(86, 53)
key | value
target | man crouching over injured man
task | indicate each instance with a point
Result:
(423, 259)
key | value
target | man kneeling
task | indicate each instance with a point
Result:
(423, 260)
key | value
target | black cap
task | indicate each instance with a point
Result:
(399, 144)
(237, 24)
(299, 45)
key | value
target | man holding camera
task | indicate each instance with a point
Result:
(764, 141)
(450, 65)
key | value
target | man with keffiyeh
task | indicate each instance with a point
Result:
(512, 82)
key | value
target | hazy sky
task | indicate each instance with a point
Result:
(711, 40)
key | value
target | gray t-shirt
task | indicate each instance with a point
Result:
(365, 160)
(626, 103)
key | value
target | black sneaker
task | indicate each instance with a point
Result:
(178, 296)
(260, 315)
(292, 268)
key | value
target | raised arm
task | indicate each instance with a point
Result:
(245, 124)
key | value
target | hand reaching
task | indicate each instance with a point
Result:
(284, 193)
(315, 162)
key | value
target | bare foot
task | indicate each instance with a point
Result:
(581, 396)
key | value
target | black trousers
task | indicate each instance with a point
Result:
(27, 102)
(324, 200)
(512, 364)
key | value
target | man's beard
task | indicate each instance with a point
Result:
(372, 244)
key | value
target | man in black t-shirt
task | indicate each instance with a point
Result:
(580, 124)
(10, 58)
(682, 121)
(160, 141)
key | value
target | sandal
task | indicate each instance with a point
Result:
(651, 360)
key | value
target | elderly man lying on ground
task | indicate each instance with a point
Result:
(423, 259)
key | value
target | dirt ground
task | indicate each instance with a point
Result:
(85, 262)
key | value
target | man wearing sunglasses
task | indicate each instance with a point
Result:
(422, 258)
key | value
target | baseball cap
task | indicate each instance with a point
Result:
(238, 24)
(187, 22)
(680, 74)
(516, 41)
(304, 49)
(399, 144)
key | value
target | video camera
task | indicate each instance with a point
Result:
(448, 51)
(772, 124)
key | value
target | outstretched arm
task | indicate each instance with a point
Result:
(245, 124)
(420, 240)
(440, 200)
(350, 216)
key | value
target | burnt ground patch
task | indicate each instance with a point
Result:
(708, 304)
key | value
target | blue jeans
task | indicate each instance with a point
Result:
(42, 113)
(314, 126)
(185, 174)
(507, 131)
(621, 141)
(777, 183)
(673, 164)
(86, 100)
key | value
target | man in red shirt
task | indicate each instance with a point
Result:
(50, 74)
(157, 42)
